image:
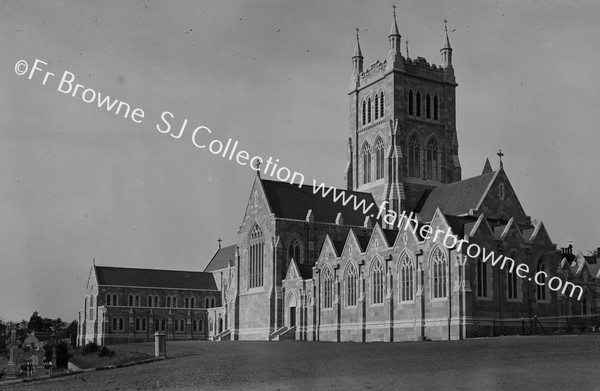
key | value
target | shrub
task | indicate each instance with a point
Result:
(106, 352)
(62, 354)
(90, 347)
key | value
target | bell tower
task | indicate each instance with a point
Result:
(402, 139)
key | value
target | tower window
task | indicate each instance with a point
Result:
(379, 158)
(257, 245)
(381, 110)
(411, 103)
(366, 153)
(436, 115)
(428, 106)
(414, 157)
(418, 103)
(376, 106)
(364, 112)
(432, 160)
(369, 109)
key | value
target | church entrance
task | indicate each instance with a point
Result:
(291, 305)
(292, 316)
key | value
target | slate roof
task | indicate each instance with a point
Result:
(339, 246)
(390, 236)
(154, 278)
(456, 198)
(305, 271)
(292, 202)
(221, 259)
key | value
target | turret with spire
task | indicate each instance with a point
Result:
(357, 58)
(394, 37)
(446, 49)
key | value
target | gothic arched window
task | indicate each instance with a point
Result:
(187, 302)
(257, 245)
(541, 289)
(428, 106)
(212, 302)
(137, 301)
(156, 301)
(436, 110)
(168, 301)
(364, 112)
(376, 113)
(114, 324)
(366, 154)
(482, 275)
(379, 158)
(206, 304)
(418, 103)
(406, 278)
(411, 102)
(327, 288)
(369, 109)
(351, 285)
(121, 324)
(414, 157)
(381, 110)
(294, 250)
(439, 274)
(433, 160)
(192, 303)
(115, 300)
(107, 300)
(131, 300)
(512, 291)
(377, 275)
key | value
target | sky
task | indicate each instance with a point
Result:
(81, 183)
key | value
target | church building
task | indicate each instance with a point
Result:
(309, 267)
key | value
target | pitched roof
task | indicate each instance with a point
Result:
(290, 201)
(154, 278)
(306, 271)
(457, 198)
(221, 259)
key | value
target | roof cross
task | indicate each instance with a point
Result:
(500, 154)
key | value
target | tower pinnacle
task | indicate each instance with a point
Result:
(394, 37)
(446, 50)
(357, 58)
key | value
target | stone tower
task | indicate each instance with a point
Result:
(402, 140)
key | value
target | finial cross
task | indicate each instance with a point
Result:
(219, 240)
(500, 154)
(394, 7)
